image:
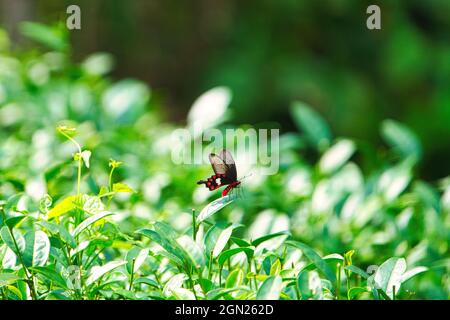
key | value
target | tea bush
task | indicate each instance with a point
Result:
(96, 209)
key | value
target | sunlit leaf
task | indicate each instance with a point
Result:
(354, 292)
(193, 251)
(209, 109)
(51, 275)
(66, 205)
(270, 289)
(8, 279)
(99, 271)
(135, 258)
(175, 282)
(262, 239)
(412, 273)
(336, 156)
(227, 254)
(170, 245)
(37, 248)
(315, 258)
(11, 242)
(122, 187)
(389, 275)
(213, 207)
(235, 278)
(89, 221)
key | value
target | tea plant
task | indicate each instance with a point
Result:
(101, 211)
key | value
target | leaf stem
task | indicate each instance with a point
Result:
(194, 228)
(132, 275)
(338, 280)
(29, 281)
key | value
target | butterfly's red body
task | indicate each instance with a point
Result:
(225, 170)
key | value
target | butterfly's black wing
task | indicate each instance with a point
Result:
(223, 164)
(231, 165)
(218, 165)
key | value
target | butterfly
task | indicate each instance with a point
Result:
(224, 170)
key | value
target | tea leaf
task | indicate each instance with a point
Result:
(270, 289)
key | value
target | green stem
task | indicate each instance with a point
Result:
(132, 275)
(110, 182)
(27, 273)
(338, 280)
(210, 265)
(19, 255)
(297, 291)
(89, 262)
(347, 274)
(192, 284)
(77, 145)
(194, 228)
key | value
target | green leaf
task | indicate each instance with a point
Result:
(123, 100)
(86, 156)
(138, 255)
(401, 139)
(358, 271)
(313, 125)
(394, 181)
(171, 246)
(218, 293)
(183, 294)
(11, 204)
(174, 283)
(147, 281)
(99, 271)
(240, 242)
(275, 268)
(209, 109)
(92, 204)
(217, 237)
(213, 207)
(222, 241)
(122, 187)
(8, 279)
(354, 292)
(389, 274)
(315, 258)
(193, 251)
(262, 239)
(227, 254)
(13, 221)
(9, 260)
(86, 223)
(165, 230)
(50, 274)
(37, 248)
(9, 241)
(235, 278)
(98, 64)
(336, 156)
(270, 289)
(413, 272)
(18, 293)
(66, 205)
(53, 37)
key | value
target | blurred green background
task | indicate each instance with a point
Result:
(273, 52)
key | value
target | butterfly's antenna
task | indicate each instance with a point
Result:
(201, 182)
(245, 177)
